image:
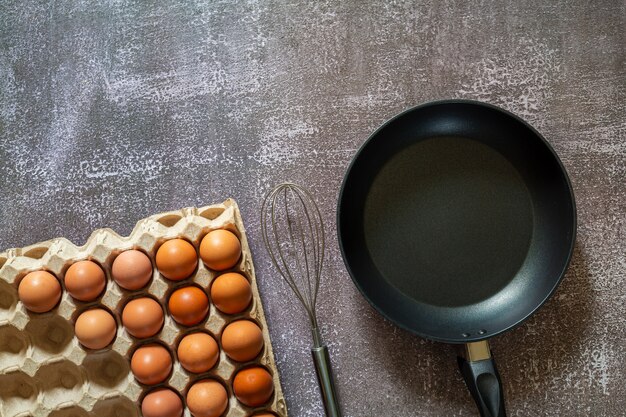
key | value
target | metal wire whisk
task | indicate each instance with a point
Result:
(293, 232)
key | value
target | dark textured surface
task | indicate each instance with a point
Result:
(113, 111)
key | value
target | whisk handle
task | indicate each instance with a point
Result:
(324, 371)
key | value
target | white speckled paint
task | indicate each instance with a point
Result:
(521, 80)
(115, 110)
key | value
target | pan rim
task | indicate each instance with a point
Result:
(572, 226)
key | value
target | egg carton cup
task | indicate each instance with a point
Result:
(44, 371)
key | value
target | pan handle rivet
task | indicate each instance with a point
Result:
(482, 331)
(465, 334)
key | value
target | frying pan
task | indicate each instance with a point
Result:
(457, 221)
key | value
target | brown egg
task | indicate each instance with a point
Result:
(198, 352)
(176, 259)
(39, 291)
(151, 364)
(207, 398)
(142, 317)
(162, 402)
(231, 293)
(253, 386)
(132, 269)
(95, 328)
(242, 340)
(85, 280)
(188, 305)
(220, 249)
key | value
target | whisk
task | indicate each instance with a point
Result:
(293, 232)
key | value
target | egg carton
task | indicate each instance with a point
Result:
(44, 371)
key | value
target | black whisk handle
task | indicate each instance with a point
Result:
(324, 371)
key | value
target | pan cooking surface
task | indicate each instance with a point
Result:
(456, 220)
(448, 221)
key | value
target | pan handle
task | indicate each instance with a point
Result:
(482, 379)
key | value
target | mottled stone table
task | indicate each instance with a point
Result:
(119, 109)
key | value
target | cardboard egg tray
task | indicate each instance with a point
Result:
(44, 371)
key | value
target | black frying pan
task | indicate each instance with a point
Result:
(457, 221)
